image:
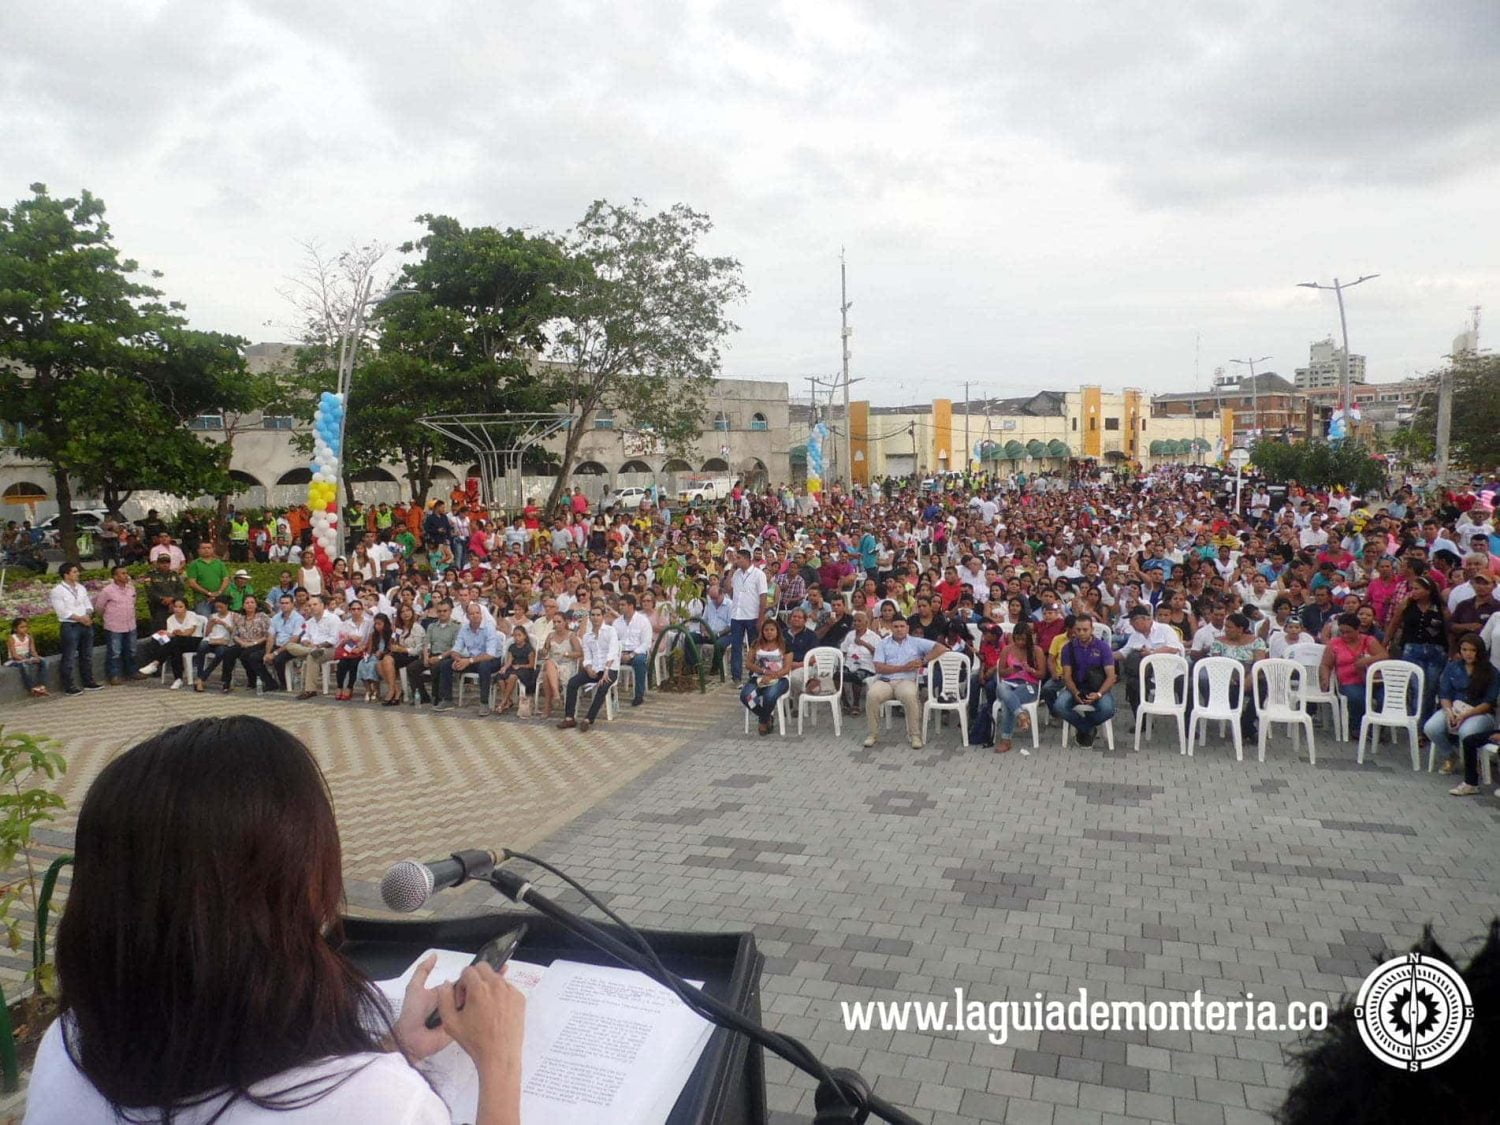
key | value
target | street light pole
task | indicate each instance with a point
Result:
(1338, 291)
(1254, 389)
(844, 332)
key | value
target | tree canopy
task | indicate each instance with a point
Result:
(1320, 464)
(1474, 436)
(97, 369)
(643, 328)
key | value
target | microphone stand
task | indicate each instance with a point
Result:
(842, 1096)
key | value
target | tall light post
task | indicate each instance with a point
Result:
(1338, 291)
(354, 328)
(844, 333)
(1254, 389)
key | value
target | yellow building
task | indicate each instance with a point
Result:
(1036, 433)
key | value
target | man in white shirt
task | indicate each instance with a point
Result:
(1313, 535)
(601, 668)
(972, 576)
(1210, 631)
(75, 614)
(320, 633)
(749, 594)
(634, 630)
(1145, 637)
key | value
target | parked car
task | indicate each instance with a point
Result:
(625, 498)
(85, 521)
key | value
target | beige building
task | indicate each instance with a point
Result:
(745, 436)
(1037, 433)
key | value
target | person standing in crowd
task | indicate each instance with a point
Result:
(207, 578)
(75, 615)
(115, 603)
(750, 600)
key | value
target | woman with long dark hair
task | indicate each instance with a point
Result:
(1466, 696)
(198, 980)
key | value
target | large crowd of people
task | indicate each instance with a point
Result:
(1054, 591)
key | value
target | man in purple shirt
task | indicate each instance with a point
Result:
(1088, 672)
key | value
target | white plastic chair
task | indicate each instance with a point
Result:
(1310, 655)
(611, 701)
(1108, 726)
(1165, 670)
(1278, 689)
(952, 696)
(781, 715)
(827, 665)
(189, 675)
(1402, 683)
(300, 664)
(467, 677)
(1223, 675)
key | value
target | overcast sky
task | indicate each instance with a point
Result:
(1031, 196)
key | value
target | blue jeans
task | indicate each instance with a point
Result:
(460, 552)
(741, 630)
(77, 649)
(1013, 697)
(1431, 659)
(32, 672)
(638, 664)
(119, 655)
(1447, 741)
(762, 700)
(1354, 698)
(1066, 710)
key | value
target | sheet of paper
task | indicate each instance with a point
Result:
(602, 1044)
(605, 1044)
(450, 1070)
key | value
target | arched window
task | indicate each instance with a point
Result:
(604, 418)
(721, 421)
(758, 421)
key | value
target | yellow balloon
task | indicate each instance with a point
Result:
(319, 504)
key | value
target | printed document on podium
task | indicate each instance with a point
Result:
(602, 1045)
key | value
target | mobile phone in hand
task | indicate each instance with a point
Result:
(494, 953)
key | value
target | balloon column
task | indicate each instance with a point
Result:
(322, 493)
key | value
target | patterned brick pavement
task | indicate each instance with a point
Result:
(892, 873)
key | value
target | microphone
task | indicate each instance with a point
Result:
(409, 884)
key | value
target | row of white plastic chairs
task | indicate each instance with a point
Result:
(1285, 688)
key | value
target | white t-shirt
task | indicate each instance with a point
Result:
(748, 586)
(386, 1091)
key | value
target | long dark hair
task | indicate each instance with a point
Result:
(192, 957)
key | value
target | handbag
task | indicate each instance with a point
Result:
(367, 668)
(523, 707)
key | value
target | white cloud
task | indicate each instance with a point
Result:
(1028, 197)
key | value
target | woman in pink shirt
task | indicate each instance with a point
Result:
(115, 603)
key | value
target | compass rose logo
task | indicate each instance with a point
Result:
(1414, 1012)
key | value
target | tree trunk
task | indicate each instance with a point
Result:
(565, 470)
(220, 530)
(66, 528)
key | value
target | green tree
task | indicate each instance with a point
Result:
(644, 326)
(1474, 435)
(101, 373)
(458, 335)
(1319, 464)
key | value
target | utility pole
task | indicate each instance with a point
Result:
(967, 447)
(844, 330)
(1254, 391)
(1338, 291)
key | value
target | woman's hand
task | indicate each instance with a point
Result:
(412, 1035)
(490, 1025)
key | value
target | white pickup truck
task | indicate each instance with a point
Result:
(708, 490)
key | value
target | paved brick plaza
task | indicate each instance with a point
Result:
(892, 873)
